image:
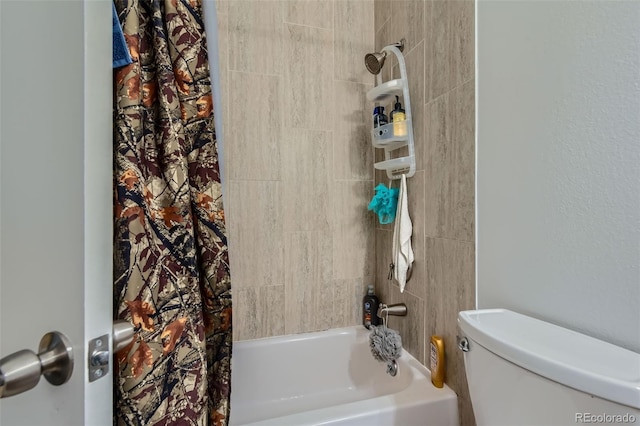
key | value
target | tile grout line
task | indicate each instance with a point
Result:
(449, 91)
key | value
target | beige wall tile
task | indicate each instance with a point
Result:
(451, 272)
(381, 12)
(352, 121)
(256, 247)
(327, 300)
(301, 289)
(353, 238)
(407, 21)
(305, 291)
(437, 181)
(307, 163)
(279, 157)
(222, 6)
(462, 21)
(353, 39)
(348, 294)
(308, 83)
(449, 45)
(464, 161)
(450, 275)
(313, 13)
(450, 164)
(255, 36)
(344, 295)
(255, 130)
(254, 315)
(465, 408)
(437, 45)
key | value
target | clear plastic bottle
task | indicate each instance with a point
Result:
(398, 118)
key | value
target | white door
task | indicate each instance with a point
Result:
(56, 198)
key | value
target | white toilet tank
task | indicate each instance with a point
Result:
(523, 371)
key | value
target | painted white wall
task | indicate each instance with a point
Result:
(558, 163)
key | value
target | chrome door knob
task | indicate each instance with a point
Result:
(21, 370)
(122, 334)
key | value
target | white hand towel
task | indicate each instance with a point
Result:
(402, 251)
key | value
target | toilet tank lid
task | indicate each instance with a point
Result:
(565, 356)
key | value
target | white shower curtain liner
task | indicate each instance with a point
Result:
(211, 29)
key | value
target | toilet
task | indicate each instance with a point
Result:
(523, 371)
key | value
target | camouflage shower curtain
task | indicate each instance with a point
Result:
(171, 264)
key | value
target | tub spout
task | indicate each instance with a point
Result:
(399, 309)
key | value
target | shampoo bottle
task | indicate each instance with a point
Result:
(370, 308)
(379, 118)
(436, 364)
(398, 118)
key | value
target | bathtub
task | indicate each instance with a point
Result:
(331, 378)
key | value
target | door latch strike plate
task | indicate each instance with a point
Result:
(98, 357)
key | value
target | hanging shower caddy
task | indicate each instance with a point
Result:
(383, 137)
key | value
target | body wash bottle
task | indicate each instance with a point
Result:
(399, 119)
(437, 361)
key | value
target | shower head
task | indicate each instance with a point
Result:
(375, 61)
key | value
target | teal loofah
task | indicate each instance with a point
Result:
(385, 203)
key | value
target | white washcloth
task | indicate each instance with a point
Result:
(402, 251)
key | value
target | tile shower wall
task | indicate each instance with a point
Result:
(298, 162)
(439, 54)
(300, 166)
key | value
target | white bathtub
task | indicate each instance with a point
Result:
(331, 378)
